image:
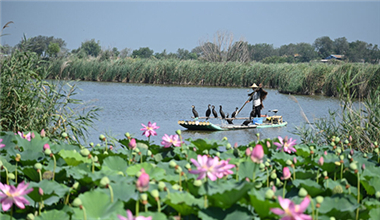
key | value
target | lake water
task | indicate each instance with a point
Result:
(126, 106)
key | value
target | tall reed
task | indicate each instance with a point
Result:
(303, 78)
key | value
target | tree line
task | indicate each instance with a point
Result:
(222, 48)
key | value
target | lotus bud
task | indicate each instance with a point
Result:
(262, 166)
(228, 146)
(353, 166)
(325, 153)
(95, 158)
(267, 164)
(161, 185)
(64, 135)
(377, 194)
(349, 156)
(289, 162)
(321, 161)
(155, 193)
(269, 194)
(319, 199)
(341, 157)
(144, 196)
(47, 151)
(11, 176)
(132, 143)
(365, 155)
(178, 169)
(188, 166)
(77, 202)
(337, 189)
(91, 144)
(278, 182)
(175, 187)
(325, 173)
(38, 166)
(258, 185)
(178, 132)
(41, 191)
(302, 192)
(363, 166)
(75, 185)
(294, 160)
(273, 175)
(127, 135)
(352, 152)
(337, 139)
(257, 134)
(376, 150)
(149, 153)
(18, 157)
(225, 139)
(332, 144)
(104, 181)
(311, 148)
(337, 163)
(46, 146)
(346, 141)
(84, 152)
(102, 137)
(248, 151)
(30, 216)
(268, 144)
(332, 218)
(172, 163)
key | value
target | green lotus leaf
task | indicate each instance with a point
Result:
(73, 158)
(53, 214)
(114, 163)
(123, 190)
(31, 173)
(374, 213)
(282, 157)
(246, 169)
(154, 215)
(98, 206)
(205, 144)
(30, 157)
(312, 187)
(49, 188)
(234, 213)
(303, 150)
(371, 185)
(343, 204)
(154, 172)
(225, 194)
(184, 203)
(261, 205)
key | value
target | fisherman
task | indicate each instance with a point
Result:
(257, 96)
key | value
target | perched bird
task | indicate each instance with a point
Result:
(235, 112)
(246, 122)
(229, 120)
(221, 112)
(208, 112)
(195, 113)
(214, 111)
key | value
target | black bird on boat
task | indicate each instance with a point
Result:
(214, 112)
(208, 112)
(229, 120)
(221, 112)
(195, 113)
(246, 122)
(235, 112)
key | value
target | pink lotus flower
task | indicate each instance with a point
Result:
(257, 154)
(211, 167)
(130, 217)
(142, 183)
(132, 143)
(150, 129)
(10, 195)
(168, 141)
(25, 136)
(46, 146)
(43, 133)
(292, 211)
(286, 145)
(286, 173)
(321, 161)
(1, 145)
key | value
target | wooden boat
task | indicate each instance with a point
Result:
(266, 122)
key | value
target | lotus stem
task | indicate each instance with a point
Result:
(67, 198)
(312, 208)
(6, 172)
(283, 192)
(294, 173)
(206, 204)
(39, 173)
(84, 213)
(111, 192)
(16, 171)
(267, 177)
(93, 165)
(357, 210)
(137, 207)
(317, 175)
(158, 204)
(180, 181)
(341, 171)
(55, 165)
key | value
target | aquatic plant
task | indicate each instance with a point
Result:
(100, 182)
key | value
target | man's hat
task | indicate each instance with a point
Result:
(254, 85)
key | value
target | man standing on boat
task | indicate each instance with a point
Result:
(257, 96)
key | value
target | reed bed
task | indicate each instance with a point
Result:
(303, 78)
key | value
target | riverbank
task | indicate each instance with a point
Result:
(302, 78)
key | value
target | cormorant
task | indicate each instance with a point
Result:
(208, 112)
(235, 112)
(229, 120)
(246, 122)
(214, 111)
(196, 115)
(221, 112)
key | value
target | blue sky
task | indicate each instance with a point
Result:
(177, 24)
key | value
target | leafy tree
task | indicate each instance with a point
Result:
(305, 52)
(40, 44)
(5, 49)
(91, 47)
(125, 52)
(324, 46)
(115, 52)
(162, 55)
(341, 46)
(288, 50)
(358, 51)
(53, 49)
(143, 52)
(260, 51)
